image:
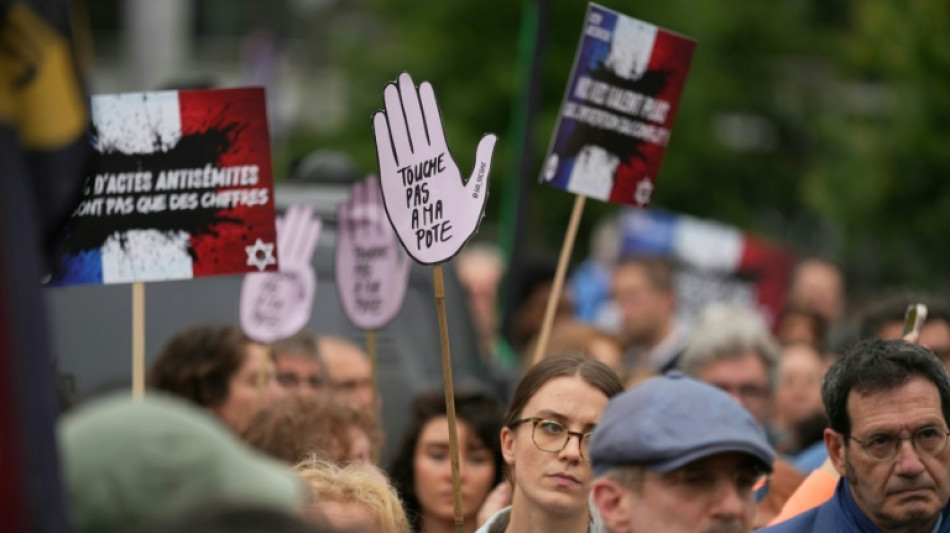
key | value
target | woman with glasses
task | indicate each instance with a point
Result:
(545, 445)
(421, 469)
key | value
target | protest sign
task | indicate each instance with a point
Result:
(614, 124)
(276, 305)
(372, 270)
(181, 187)
(433, 211)
(618, 108)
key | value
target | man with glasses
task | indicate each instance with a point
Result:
(349, 372)
(888, 403)
(675, 455)
(299, 368)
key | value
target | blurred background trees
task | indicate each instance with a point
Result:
(820, 124)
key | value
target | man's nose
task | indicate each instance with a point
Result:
(731, 502)
(908, 461)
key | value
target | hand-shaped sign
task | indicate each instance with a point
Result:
(276, 305)
(432, 210)
(371, 268)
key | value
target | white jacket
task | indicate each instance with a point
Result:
(501, 519)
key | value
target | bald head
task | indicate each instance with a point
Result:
(348, 370)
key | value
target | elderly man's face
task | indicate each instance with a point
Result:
(743, 377)
(710, 495)
(906, 491)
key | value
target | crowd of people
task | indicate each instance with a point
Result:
(634, 420)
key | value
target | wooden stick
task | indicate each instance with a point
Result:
(261, 380)
(449, 398)
(371, 351)
(374, 377)
(559, 275)
(138, 340)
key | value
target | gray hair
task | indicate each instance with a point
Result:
(726, 331)
(628, 476)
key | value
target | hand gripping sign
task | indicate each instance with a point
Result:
(372, 270)
(276, 305)
(432, 210)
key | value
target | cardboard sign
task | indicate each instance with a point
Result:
(372, 270)
(181, 187)
(433, 211)
(275, 305)
(715, 262)
(618, 108)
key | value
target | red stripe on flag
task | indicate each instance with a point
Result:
(244, 111)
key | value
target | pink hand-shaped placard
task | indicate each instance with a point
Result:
(372, 270)
(276, 305)
(433, 212)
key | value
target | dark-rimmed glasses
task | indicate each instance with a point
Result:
(552, 436)
(292, 381)
(884, 446)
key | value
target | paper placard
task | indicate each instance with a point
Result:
(181, 187)
(432, 210)
(276, 305)
(618, 108)
(372, 270)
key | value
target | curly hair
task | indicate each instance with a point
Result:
(295, 428)
(357, 484)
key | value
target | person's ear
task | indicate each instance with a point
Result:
(609, 498)
(508, 445)
(836, 445)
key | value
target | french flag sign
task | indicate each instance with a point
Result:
(716, 262)
(181, 187)
(618, 108)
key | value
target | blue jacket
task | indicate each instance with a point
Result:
(840, 514)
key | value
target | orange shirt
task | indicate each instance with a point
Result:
(817, 488)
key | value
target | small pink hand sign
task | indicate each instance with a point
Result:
(372, 270)
(276, 305)
(432, 210)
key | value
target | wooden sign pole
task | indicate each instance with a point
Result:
(559, 276)
(371, 352)
(449, 397)
(138, 340)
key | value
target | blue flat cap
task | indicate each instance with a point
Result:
(670, 421)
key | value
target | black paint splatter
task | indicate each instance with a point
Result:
(623, 146)
(190, 152)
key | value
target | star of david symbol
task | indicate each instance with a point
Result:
(260, 254)
(644, 190)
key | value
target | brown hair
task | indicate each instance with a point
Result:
(198, 363)
(479, 410)
(295, 428)
(659, 271)
(595, 373)
(570, 337)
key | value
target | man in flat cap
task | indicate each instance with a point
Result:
(675, 455)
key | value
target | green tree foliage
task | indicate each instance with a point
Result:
(821, 123)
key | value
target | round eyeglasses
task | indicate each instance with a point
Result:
(884, 446)
(551, 436)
